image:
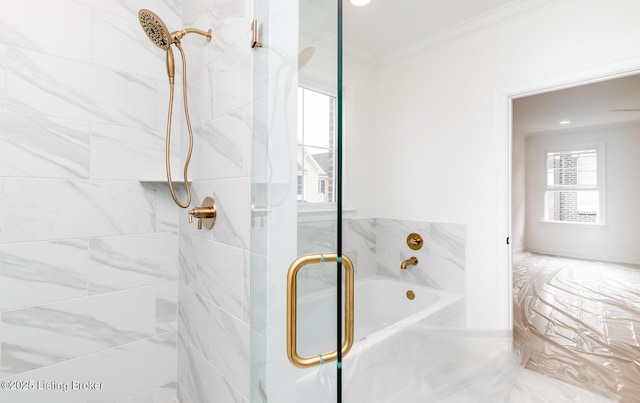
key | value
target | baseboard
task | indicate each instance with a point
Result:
(585, 256)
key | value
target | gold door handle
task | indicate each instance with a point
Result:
(292, 289)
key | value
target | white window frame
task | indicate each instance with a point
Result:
(321, 206)
(322, 186)
(600, 148)
(299, 185)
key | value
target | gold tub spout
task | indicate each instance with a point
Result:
(411, 261)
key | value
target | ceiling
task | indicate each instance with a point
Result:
(387, 25)
(583, 106)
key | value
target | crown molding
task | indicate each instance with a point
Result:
(469, 26)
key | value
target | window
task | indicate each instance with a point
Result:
(573, 186)
(299, 186)
(316, 146)
(322, 184)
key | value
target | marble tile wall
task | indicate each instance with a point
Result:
(88, 250)
(214, 293)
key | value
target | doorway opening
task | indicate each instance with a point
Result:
(574, 155)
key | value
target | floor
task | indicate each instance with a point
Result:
(533, 387)
(576, 327)
(579, 322)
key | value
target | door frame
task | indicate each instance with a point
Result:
(503, 123)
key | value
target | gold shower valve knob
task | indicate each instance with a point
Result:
(206, 214)
(414, 241)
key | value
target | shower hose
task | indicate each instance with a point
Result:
(168, 144)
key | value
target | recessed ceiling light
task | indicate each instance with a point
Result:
(360, 2)
(564, 122)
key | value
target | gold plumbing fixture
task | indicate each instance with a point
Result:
(411, 295)
(206, 214)
(412, 261)
(292, 306)
(255, 35)
(159, 34)
(414, 241)
(177, 35)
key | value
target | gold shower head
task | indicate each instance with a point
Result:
(155, 28)
(159, 34)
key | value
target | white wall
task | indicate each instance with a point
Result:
(443, 122)
(617, 240)
(360, 156)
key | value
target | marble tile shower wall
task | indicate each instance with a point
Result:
(213, 313)
(88, 253)
(377, 246)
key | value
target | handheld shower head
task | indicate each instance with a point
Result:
(160, 36)
(155, 29)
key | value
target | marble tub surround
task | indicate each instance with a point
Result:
(377, 246)
(441, 260)
(359, 243)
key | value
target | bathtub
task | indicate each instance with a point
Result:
(383, 313)
(382, 305)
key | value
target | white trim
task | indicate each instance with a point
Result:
(601, 151)
(466, 27)
(574, 224)
(592, 256)
(320, 86)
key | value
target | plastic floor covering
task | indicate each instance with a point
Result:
(579, 321)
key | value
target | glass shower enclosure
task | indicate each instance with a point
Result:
(299, 275)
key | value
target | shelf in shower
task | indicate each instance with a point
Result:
(162, 180)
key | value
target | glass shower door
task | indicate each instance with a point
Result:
(301, 284)
(320, 279)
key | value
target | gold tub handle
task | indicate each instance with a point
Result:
(292, 305)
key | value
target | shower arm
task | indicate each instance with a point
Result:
(176, 36)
